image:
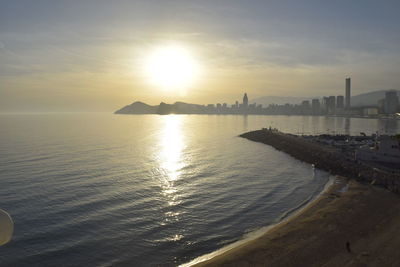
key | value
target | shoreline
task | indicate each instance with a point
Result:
(248, 237)
(353, 222)
(351, 225)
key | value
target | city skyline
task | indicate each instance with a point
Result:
(327, 105)
(199, 133)
(94, 55)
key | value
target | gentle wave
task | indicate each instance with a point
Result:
(102, 190)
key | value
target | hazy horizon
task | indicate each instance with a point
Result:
(91, 55)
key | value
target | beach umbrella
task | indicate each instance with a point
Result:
(6, 227)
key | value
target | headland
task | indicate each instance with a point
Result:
(327, 157)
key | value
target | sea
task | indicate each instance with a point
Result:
(98, 189)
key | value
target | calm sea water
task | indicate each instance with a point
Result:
(133, 190)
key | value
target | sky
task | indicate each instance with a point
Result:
(89, 55)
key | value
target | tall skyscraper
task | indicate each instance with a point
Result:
(245, 101)
(348, 93)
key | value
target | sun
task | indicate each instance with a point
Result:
(171, 67)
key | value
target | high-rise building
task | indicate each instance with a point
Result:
(331, 105)
(324, 104)
(305, 104)
(348, 93)
(316, 106)
(305, 107)
(391, 102)
(340, 101)
(245, 101)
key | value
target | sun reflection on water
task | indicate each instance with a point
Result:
(172, 144)
(171, 162)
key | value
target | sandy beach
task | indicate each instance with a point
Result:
(350, 224)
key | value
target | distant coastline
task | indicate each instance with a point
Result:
(140, 108)
(365, 106)
(186, 108)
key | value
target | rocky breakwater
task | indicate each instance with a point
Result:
(326, 158)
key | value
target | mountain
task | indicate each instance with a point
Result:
(279, 100)
(163, 108)
(366, 99)
(369, 99)
(180, 108)
(137, 108)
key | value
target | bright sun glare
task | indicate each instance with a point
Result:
(171, 67)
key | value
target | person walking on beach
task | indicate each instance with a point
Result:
(348, 247)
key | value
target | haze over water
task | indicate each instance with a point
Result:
(102, 189)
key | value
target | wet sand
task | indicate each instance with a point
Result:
(350, 224)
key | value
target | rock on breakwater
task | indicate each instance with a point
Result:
(326, 158)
